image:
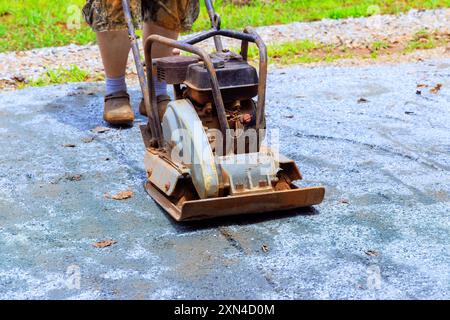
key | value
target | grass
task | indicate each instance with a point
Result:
(301, 51)
(422, 40)
(59, 76)
(377, 47)
(307, 51)
(27, 24)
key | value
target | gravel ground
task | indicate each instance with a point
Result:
(354, 32)
(381, 233)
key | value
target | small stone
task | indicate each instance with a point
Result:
(87, 139)
(100, 129)
(372, 253)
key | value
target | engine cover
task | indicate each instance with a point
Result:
(237, 80)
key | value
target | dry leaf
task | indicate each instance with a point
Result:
(362, 100)
(69, 145)
(436, 88)
(19, 78)
(421, 85)
(372, 253)
(74, 177)
(344, 200)
(104, 244)
(265, 248)
(123, 195)
(100, 129)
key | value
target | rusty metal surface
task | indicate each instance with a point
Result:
(162, 173)
(215, 22)
(263, 60)
(238, 205)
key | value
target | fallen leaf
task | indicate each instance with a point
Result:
(421, 85)
(418, 92)
(104, 244)
(74, 177)
(19, 78)
(409, 112)
(363, 100)
(265, 248)
(436, 88)
(123, 195)
(73, 93)
(289, 116)
(344, 200)
(69, 177)
(88, 139)
(69, 145)
(100, 129)
(372, 253)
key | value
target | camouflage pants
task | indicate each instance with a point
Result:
(107, 15)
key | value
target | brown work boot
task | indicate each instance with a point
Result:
(162, 100)
(118, 109)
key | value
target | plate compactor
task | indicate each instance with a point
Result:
(205, 155)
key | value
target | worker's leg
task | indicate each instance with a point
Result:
(114, 49)
(159, 51)
(106, 18)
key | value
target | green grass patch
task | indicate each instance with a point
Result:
(60, 76)
(26, 24)
(379, 45)
(422, 40)
(301, 51)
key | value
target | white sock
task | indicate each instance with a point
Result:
(160, 87)
(114, 85)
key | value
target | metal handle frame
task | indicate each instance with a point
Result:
(148, 87)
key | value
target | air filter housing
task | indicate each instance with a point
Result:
(173, 69)
(237, 80)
